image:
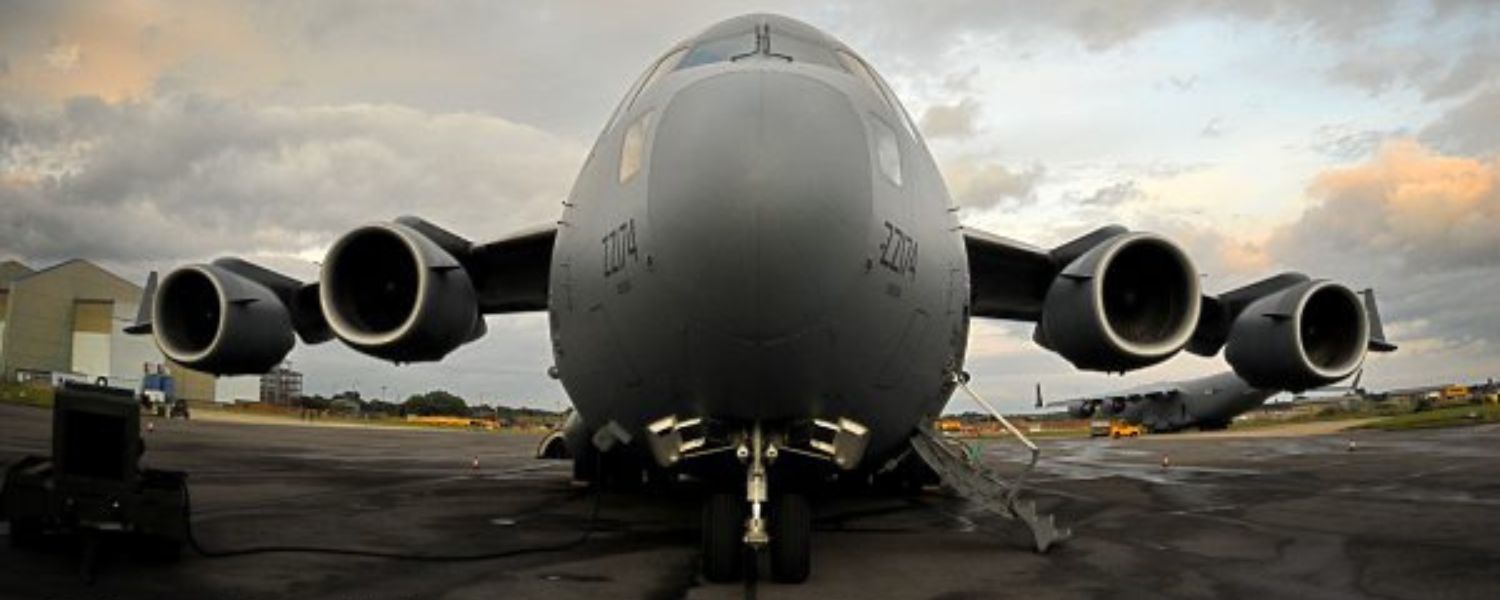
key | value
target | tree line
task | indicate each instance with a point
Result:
(435, 403)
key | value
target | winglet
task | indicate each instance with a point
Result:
(143, 312)
(1038, 394)
(1378, 343)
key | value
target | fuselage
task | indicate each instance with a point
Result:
(1207, 402)
(759, 235)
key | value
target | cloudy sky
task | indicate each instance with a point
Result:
(1348, 139)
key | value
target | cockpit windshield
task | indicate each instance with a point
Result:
(721, 49)
(792, 48)
(761, 43)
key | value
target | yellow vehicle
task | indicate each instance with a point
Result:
(1119, 429)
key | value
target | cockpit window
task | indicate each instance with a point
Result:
(761, 43)
(720, 50)
(795, 49)
(857, 67)
(663, 67)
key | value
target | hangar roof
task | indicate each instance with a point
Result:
(11, 270)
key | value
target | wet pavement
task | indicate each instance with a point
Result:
(1406, 515)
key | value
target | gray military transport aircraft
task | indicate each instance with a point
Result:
(759, 280)
(1207, 403)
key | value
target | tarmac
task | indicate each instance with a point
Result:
(1404, 515)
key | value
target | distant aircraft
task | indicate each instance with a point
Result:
(758, 279)
(1207, 403)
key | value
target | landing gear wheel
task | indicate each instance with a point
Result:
(586, 465)
(723, 546)
(791, 538)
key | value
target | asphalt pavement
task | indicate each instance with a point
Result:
(1404, 515)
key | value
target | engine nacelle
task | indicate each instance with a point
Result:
(1305, 336)
(1129, 302)
(389, 291)
(210, 319)
(1083, 410)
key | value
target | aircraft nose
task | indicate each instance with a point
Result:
(760, 198)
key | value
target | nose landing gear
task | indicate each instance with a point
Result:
(781, 524)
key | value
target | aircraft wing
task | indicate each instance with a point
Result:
(1143, 282)
(405, 291)
(511, 274)
(1008, 279)
(1115, 403)
(1154, 392)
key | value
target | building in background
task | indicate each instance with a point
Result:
(9, 270)
(68, 322)
(281, 386)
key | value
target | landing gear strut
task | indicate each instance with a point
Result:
(781, 524)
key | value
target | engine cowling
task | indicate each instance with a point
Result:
(1083, 410)
(389, 291)
(210, 319)
(1305, 336)
(1129, 302)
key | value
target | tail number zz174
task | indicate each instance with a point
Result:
(899, 251)
(619, 247)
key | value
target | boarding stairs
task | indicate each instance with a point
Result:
(969, 477)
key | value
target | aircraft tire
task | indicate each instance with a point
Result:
(791, 538)
(586, 465)
(723, 548)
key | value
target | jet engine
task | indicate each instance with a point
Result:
(391, 291)
(1083, 410)
(212, 319)
(1305, 336)
(1128, 302)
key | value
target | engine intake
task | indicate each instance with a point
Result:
(391, 292)
(1306, 336)
(210, 319)
(1129, 302)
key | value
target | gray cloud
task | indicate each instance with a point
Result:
(984, 185)
(1178, 83)
(1101, 26)
(1471, 127)
(10, 133)
(1474, 69)
(188, 176)
(1344, 142)
(1439, 72)
(1214, 128)
(950, 120)
(1113, 195)
(1377, 71)
(1408, 210)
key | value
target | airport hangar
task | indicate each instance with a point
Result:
(67, 322)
